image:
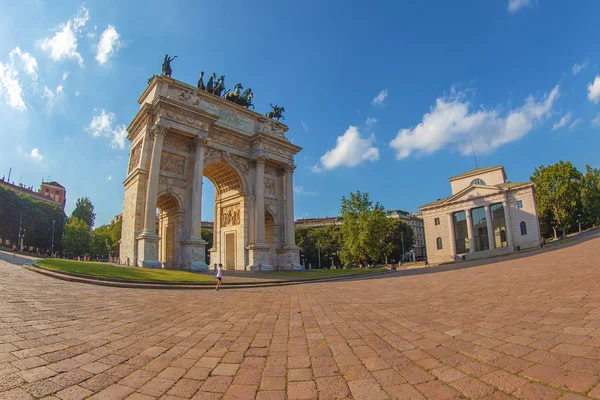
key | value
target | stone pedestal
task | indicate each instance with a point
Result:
(214, 256)
(258, 258)
(147, 244)
(193, 254)
(289, 258)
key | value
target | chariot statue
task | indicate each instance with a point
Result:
(210, 86)
(166, 66)
(220, 86)
(233, 96)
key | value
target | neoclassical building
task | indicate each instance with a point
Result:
(486, 215)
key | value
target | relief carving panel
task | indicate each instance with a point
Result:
(230, 215)
(270, 186)
(176, 142)
(134, 159)
(171, 162)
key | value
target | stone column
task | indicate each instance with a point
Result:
(194, 246)
(451, 236)
(148, 239)
(490, 228)
(290, 255)
(258, 255)
(509, 232)
(470, 231)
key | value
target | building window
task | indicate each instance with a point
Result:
(498, 225)
(436, 221)
(57, 192)
(439, 243)
(480, 232)
(519, 204)
(47, 191)
(523, 228)
(460, 232)
(477, 182)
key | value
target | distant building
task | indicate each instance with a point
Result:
(485, 216)
(55, 191)
(29, 191)
(415, 221)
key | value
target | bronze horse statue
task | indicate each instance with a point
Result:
(166, 66)
(233, 96)
(220, 86)
(245, 100)
(276, 113)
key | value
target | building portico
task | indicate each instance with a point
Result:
(485, 216)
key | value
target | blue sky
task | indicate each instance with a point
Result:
(383, 97)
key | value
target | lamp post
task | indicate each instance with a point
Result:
(554, 228)
(332, 266)
(402, 237)
(21, 239)
(19, 234)
(319, 253)
(579, 222)
(52, 253)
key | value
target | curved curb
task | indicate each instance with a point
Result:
(70, 277)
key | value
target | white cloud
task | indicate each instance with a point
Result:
(594, 90)
(563, 121)
(102, 126)
(350, 151)
(304, 126)
(516, 5)
(109, 43)
(370, 122)
(596, 121)
(10, 85)
(65, 75)
(50, 96)
(109, 177)
(575, 123)
(64, 42)
(451, 123)
(577, 68)
(380, 98)
(35, 154)
(77, 92)
(299, 190)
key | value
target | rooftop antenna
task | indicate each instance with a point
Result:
(9, 172)
(473, 149)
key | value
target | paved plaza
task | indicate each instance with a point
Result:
(526, 327)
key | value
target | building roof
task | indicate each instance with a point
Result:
(476, 172)
(53, 183)
(28, 192)
(502, 186)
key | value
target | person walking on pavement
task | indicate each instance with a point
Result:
(219, 276)
(14, 250)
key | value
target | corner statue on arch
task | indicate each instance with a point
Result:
(183, 133)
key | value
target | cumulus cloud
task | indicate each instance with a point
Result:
(65, 75)
(11, 87)
(102, 126)
(35, 154)
(596, 121)
(370, 122)
(108, 45)
(577, 68)
(52, 96)
(594, 90)
(562, 122)
(350, 150)
(64, 42)
(452, 123)
(575, 123)
(380, 98)
(516, 5)
(299, 190)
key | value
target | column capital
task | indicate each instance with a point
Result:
(199, 141)
(289, 168)
(259, 159)
(158, 131)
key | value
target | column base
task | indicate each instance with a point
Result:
(192, 251)
(214, 256)
(289, 258)
(147, 249)
(258, 257)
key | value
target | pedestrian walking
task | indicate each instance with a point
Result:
(542, 242)
(219, 276)
(14, 250)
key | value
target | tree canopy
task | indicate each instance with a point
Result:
(76, 240)
(84, 210)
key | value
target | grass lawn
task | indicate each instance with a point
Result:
(131, 273)
(327, 273)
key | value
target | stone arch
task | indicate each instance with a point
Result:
(271, 235)
(170, 209)
(225, 177)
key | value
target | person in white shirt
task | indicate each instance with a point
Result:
(219, 275)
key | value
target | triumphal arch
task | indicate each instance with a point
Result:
(179, 135)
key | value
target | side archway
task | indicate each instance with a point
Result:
(168, 228)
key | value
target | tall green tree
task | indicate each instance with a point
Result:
(327, 241)
(398, 237)
(590, 197)
(558, 191)
(104, 240)
(84, 210)
(207, 236)
(364, 228)
(76, 240)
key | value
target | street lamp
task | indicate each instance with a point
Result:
(52, 253)
(402, 237)
(579, 222)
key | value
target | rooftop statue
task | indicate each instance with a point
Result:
(233, 96)
(201, 82)
(210, 86)
(220, 86)
(276, 113)
(245, 100)
(166, 66)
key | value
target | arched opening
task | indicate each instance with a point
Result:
(168, 227)
(271, 237)
(225, 195)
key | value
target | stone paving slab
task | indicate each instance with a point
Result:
(526, 327)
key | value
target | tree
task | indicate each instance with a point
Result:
(76, 240)
(590, 197)
(397, 232)
(207, 236)
(558, 190)
(363, 229)
(84, 210)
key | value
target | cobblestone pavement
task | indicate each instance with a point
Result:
(527, 327)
